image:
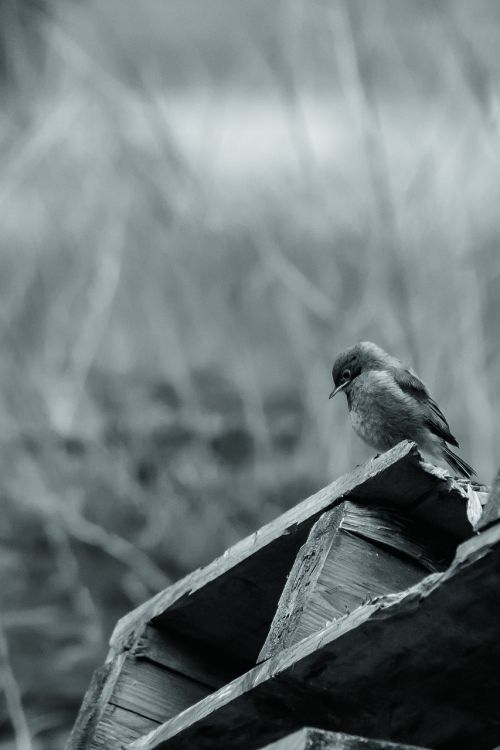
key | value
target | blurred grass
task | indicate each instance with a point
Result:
(196, 215)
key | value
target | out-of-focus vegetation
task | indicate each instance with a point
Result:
(200, 204)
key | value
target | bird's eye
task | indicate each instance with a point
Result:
(346, 375)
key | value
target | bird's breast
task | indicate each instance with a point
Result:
(379, 412)
(367, 424)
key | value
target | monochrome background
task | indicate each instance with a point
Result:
(201, 203)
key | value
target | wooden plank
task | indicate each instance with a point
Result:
(339, 567)
(155, 692)
(421, 667)
(316, 739)
(118, 728)
(213, 604)
(136, 691)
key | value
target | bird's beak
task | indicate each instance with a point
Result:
(337, 389)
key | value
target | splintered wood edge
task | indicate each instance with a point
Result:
(299, 585)
(391, 606)
(473, 493)
(131, 626)
(95, 702)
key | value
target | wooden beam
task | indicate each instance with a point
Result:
(421, 667)
(353, 553)
(213, 604)
(310, 738)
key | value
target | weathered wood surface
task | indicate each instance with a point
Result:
(133, 695)
(213, 603)
(226, 608)
(428, 545)
(95, 703)
(421, 667)
(155, 692)
(161, 676)
(353, 553)
(117, 728)
(310, 738)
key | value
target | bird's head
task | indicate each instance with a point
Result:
(359, 358)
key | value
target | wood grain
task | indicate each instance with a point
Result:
(420, 667)
(155, 692)
(301, 582)
(353, 553)
(354, 572)
(118, 728)
(430, 546)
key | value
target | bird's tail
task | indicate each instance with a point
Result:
(457, 463)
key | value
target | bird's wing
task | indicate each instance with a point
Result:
(410, 383)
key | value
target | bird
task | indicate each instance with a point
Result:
(389, 403)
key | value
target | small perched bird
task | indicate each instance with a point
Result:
(388, 403)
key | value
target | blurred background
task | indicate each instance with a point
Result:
(201, 203)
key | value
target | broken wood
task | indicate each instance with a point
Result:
(208, 629)
(421, 667)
